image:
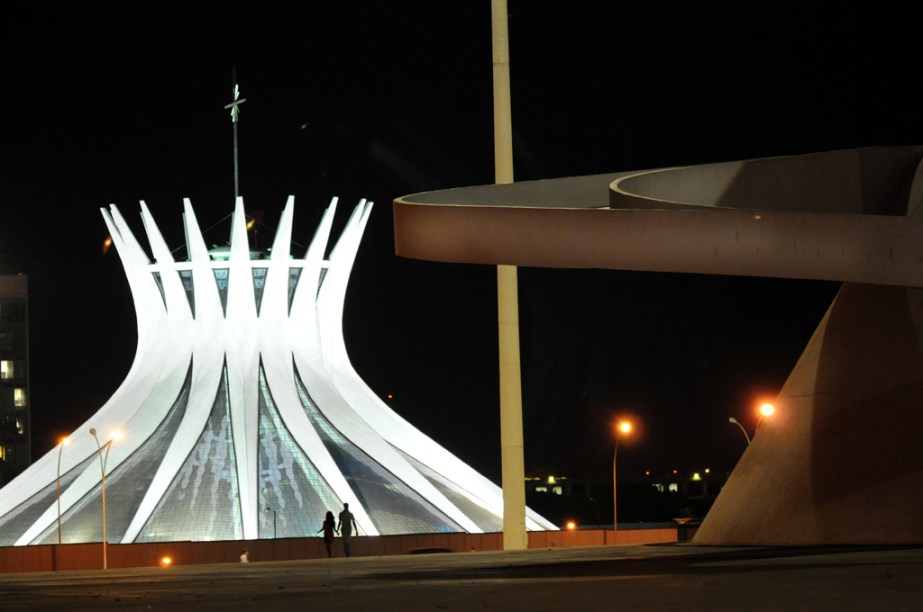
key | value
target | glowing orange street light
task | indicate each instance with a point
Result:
(571, 525)
(623, 427)
(767, 410)
(166, 561)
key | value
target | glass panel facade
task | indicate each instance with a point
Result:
(392, 505)
(320, 280)
(186, 277)
(486, 520)
(83, 522)
(203, 501)
(125, 486)
(159, 282)
(294, 274)
(16, 522)
(294, 497)
(221, 279)
(259, 281)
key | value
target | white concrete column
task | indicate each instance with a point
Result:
(513, 470)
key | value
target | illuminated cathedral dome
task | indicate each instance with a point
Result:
(241, 416)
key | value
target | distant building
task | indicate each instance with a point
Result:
(15, 434)
(648, 498)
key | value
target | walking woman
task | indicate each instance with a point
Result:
(327, 528)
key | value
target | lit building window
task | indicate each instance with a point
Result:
(558, 491)
(541, 489)
(20, 429)
(6, 369)
(19, 397)
(673, 488)
(1, 454)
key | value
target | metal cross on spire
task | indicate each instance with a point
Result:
(235, 114)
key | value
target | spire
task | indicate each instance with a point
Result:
(234, 107)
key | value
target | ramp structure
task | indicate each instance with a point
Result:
(241, 416)
(841, 461)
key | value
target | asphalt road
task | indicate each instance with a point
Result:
(652, 577)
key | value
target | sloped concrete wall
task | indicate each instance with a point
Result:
(841, 462)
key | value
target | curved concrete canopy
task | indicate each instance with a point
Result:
(841, 463)
(843, 215)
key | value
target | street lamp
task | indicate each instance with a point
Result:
(102, 464)
(736, 422)
(766, 410)
(61, 444)
(268, 509)
(624, 427)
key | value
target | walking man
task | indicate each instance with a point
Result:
(345, 526)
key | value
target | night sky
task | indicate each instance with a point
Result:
(382, 98)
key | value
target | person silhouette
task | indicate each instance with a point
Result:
(328, 528)
(345, 525)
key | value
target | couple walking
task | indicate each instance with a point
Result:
(345, 525)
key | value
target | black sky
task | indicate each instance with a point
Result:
(114, 103)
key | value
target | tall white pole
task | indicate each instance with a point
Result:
(511, 444)
(105, 537)
(620, 428)
(60, 450)
(102, 466)
(615, 493)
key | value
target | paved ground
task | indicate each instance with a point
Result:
(653, 577)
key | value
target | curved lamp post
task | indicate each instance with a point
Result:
(765, 411)
(624, 427)
(102, 464)
(61, 444)
(736, 422)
